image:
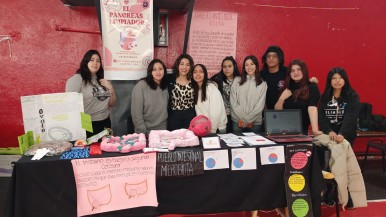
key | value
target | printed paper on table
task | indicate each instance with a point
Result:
(244, 159)
(128, 41)
(115, 183)
(211, 142)
(54, 117)
(212, 37)
(214, 160)
(272, 155)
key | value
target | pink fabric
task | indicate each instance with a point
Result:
(124, 144)
(173, 139)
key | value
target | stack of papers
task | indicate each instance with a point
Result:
(231, 140)
(257, 140)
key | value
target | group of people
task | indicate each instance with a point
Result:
(233, 101)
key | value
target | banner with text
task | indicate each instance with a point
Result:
(115, 183)
(127, 32)
(180, 162)
(297, 178)
(212, 37)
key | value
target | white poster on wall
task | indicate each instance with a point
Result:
(127, 33)
(54, 117)
(212, 37)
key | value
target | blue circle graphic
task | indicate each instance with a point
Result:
(210, 162)
(272, 157)
(238, 162)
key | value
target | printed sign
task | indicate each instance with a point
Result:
(212, 37)
(244, 159)
(216, 160)
(108, 184)
(180, 162)
(272, 155)
(297, 179)
(128, 41)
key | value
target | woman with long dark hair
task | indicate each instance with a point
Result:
(299, 93)
(98, 93)
(224, 80)
(248, 98)
(339, 107)
(181, 99)
(208, 100)
(149, 100)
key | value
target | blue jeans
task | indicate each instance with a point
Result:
(254, 129)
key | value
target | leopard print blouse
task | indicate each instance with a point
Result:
(182, 97)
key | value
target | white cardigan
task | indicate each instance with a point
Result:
(212, 107)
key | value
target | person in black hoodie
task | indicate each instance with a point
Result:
(339, 107)
(224, 80)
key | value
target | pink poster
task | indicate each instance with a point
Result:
(212, 37)
(115, 183)
(127, 33)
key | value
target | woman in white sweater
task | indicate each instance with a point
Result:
(208, 100)
(248, 98)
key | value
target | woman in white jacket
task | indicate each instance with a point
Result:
(208, 100)
(248, 94)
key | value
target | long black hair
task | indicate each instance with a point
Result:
(347, 91)
(195, 86)
(84, 71)
(257, 72)
(150, 79)
(235, 69)
(176, 72)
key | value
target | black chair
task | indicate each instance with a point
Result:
(324, 155)
(378, 144)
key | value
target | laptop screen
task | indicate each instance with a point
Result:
(283, 122)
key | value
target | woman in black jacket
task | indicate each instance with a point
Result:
(339, 107)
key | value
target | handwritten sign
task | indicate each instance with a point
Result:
(297, 179)
(108, 184)
(86, 122)
(180, 162)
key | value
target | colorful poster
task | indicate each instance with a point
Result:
(180, 162)
(244, 159)
(216, 160)
(272, 155)
(53, 117)
(128, 41)
(212, 37)
(115, 183)
(298, 160)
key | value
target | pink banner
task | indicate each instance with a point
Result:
(212, 37)
(108, 184)
(128, 44)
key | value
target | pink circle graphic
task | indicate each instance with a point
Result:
(299, 160)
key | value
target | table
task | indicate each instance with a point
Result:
(47, 188)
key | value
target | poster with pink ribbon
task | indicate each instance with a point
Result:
(115, 183)
(212, 37)
(127, 33)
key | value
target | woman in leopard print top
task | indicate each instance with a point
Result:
(181, 104)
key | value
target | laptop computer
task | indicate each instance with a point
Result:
(285, 126)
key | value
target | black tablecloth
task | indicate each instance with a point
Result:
(47, 188)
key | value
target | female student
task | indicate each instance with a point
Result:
(299, 93)
(248, 98)
(181, 101)
(208, 100)
(339, 107)
(224, 80)
(149, 101)
(98, 93)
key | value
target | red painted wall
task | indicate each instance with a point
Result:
(343, 33)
